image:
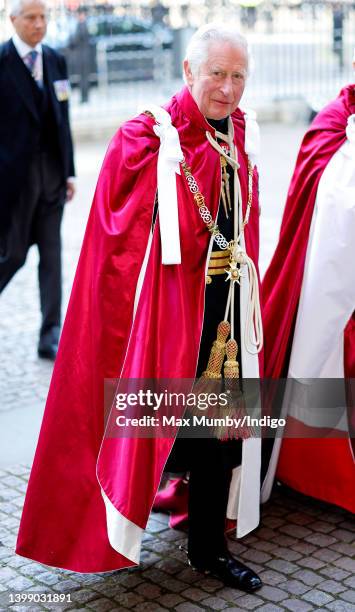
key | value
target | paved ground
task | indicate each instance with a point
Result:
(304, 550)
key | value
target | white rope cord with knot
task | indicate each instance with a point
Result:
(253, 337)
(253, 333)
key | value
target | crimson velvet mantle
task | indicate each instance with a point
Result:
(64, 521)
(323, 468)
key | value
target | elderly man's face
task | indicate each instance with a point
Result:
(31, 23)
(220, 82)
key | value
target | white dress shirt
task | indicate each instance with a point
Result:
(23, 49)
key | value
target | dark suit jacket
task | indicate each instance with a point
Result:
(19, 124)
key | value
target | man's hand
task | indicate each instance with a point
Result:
(70, 190)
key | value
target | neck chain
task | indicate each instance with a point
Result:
(205, 214)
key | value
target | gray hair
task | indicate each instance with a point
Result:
(197, 49)
(16, 6)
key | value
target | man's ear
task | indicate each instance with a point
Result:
(187, 72)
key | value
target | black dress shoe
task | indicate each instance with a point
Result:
(231, 572)
(48, 343)
(48, 351)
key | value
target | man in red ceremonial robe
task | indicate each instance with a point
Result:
(138, 310)
(309, 303)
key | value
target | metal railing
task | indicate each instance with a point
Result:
(301, 51)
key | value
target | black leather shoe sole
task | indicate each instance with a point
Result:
(47, 353)
(233, 574)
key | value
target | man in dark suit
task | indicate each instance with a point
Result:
(36, 160)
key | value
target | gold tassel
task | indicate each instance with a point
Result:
(205, 384)
(231, 373)
(215, 362)
(231, 366)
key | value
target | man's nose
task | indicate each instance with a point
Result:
(226, 86)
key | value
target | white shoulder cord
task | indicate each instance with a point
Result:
(170, 154)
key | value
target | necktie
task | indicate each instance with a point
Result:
(30, 60)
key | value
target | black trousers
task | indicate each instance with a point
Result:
(208, 460)
(210, 463)
(37, 220)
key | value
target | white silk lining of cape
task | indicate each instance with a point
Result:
(125, 536)
(244, 491)
(327, 298)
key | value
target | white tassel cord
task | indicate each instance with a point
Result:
(253, 333)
